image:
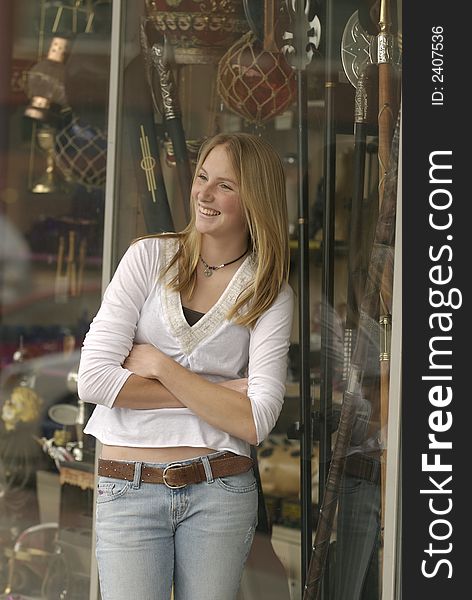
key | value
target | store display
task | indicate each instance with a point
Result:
(172, 116)
(54, 203)
(302, 35)
(64, 414)
(29, 559)
(279, 467)
(387, 97)
(72, 15)
(360, 43)
(303, 74)
(355, 49)
(23, 404)
(81, 140)
(380, 269)
(193, 147)
(21, 407)
(255, 15)
(388, 108)
(144, 144)
(45, 90)
(269, 21)
(81, 152)
(45, 82)
(365, 104)
(68, 281)
(300, 56)
(47, 183)
(80, 419)
(199, 31)
(255, 84)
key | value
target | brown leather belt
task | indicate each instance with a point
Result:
(363, 466)
(176, 475)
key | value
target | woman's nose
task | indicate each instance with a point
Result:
(205, 193)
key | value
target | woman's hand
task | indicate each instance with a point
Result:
(145, 360)
(148, 361)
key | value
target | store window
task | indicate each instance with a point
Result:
(55, 69)
(306, 77)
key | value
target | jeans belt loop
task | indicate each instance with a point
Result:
(375, 471)
(207, 468)
(137, 475)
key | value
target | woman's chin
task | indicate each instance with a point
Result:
(205, 224)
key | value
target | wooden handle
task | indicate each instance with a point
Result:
(270, 13)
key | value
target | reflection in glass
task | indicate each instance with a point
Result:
(47, 183)
(51, 233)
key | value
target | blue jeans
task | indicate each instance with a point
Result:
(197, 537)
(357, 540)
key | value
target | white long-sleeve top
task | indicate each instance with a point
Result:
(138, 307)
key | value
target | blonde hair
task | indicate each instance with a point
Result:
(261, 181)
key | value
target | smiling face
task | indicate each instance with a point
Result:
(215, 193)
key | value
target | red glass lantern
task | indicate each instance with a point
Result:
(255, 84)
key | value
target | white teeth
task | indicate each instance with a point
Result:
(209, 212)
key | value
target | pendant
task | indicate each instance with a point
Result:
(208, 272)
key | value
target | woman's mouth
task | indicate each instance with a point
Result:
(208, 212)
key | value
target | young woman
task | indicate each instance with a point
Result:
(186, 360)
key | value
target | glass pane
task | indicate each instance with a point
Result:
(361, 104)
(305, 77)
(201, 59)
(55, 69)
(246, 80)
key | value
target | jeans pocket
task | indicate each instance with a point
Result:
(110, 489)
(351, 485)
(242, 483)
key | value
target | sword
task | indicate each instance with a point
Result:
(141, 134)
(172, 116)
(356, 274)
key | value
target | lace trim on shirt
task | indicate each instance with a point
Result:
(189, 337)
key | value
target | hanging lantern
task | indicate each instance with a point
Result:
(255, 84)
(81, 153)
(199, 30)
(45, 82)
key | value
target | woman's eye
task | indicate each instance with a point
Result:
(202, 176)
(226, 187)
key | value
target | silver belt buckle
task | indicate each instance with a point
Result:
(164, 475)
